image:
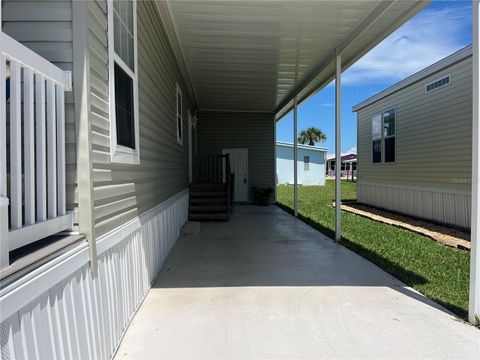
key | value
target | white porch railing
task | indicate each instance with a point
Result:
(32, 138)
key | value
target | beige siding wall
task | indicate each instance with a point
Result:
(121, 192)
(433, 148)
(46, 28)
(254, 131)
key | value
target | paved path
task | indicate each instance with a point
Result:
(265, 285)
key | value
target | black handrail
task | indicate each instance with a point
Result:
(216, 169)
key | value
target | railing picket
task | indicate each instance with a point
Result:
(51, 152)
(15, 146)
(29, 143)
(41, 148)
(61, 150)
(33, 192)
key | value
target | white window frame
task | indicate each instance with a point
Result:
(118, 153)
(376, 139)
(306, 164)
(179, 96)
(390, 136)
(449, 76)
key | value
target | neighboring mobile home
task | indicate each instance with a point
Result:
(310, 164)
(415, 143)
(117, 111)
(348, 167)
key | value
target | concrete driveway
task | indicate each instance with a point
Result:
(266, 285)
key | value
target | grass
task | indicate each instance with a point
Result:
(437, 271)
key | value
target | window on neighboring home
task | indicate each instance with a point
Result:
(306, 163)
(445, 80)
(179, 117)
(377, 139)
(389, 135)
(122, 36)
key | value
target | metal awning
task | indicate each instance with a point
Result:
(258, 55)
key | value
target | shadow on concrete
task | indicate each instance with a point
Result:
(263, 247)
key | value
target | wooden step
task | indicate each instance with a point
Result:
(211, 216)
(208, 201)
(207, 187)
(207, 194)
(208, 209)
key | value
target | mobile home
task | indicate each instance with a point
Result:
(310, 164)
(415, 143)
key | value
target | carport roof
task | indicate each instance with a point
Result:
(257, 55)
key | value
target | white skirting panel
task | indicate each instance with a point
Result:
(65, 311)
(445, 206)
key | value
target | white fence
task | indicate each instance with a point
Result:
(32, 147)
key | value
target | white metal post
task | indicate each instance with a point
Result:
(338, 148)
(474, 301)
(4, 246)
(295, 158)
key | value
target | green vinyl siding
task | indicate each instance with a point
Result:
(121, 192)
(255, 131)
(433, 133)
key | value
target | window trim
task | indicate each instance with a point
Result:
(383, 137)
(177, 94)
(306, 164)
(390, 136)
(118, 153)
(376, 139)
(449, 76)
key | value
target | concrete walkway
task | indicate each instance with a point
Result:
(265, 285)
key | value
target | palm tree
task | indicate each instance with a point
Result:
(311, 136)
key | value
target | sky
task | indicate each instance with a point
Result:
(440, 29)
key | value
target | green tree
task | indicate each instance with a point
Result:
(312, 135)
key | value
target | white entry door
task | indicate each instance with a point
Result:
(239, 166)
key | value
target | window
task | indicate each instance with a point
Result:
(377, 139)
(383, 137)
(437, 83)
(306, 163)
(179, 117)
(122, 51)
(389, 135)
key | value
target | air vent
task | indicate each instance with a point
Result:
(437, 83)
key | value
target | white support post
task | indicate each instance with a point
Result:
(474, 301)
(338, 148)
(295, 158)
(4, 245)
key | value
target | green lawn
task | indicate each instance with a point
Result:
(438, 271)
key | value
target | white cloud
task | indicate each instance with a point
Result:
(327, 104)
(430, 36)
